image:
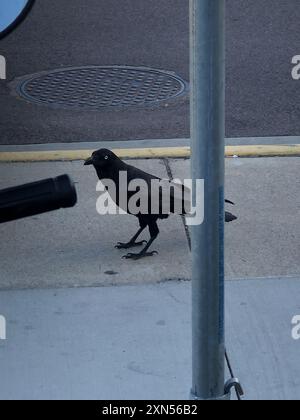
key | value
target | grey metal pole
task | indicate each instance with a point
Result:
(207, 22)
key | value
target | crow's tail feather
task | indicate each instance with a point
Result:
(229, 217)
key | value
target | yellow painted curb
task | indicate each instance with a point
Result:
(264, 150)
(145, 153)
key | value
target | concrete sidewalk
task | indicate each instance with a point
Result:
(75, 247)
(134, 342)
(149, 143)
(132, 338)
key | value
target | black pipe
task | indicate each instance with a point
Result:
(37, 198)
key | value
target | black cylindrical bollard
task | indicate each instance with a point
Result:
(37, 198)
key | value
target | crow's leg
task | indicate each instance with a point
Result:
(154, 231)
(132, 243)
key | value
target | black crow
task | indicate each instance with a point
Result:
(108, 167)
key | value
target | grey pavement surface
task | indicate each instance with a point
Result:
(149, 143)
(135, 342)
(265, 240)
(262, 98)
(76, 247)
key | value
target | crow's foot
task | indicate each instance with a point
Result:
(140, 256)
(121, 245)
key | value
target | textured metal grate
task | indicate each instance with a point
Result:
(101, 87)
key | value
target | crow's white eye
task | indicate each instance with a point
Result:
(106, 158)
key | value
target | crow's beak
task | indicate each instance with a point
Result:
(88, 162)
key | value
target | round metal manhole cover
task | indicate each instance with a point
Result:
(101, 87)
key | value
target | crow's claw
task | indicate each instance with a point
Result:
(121, 245)
(140, 256)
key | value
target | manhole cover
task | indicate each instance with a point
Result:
(101, 87)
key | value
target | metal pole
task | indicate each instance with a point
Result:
(207, 124)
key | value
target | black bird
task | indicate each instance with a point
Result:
(108, 167)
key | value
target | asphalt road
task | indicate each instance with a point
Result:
(262, 38)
